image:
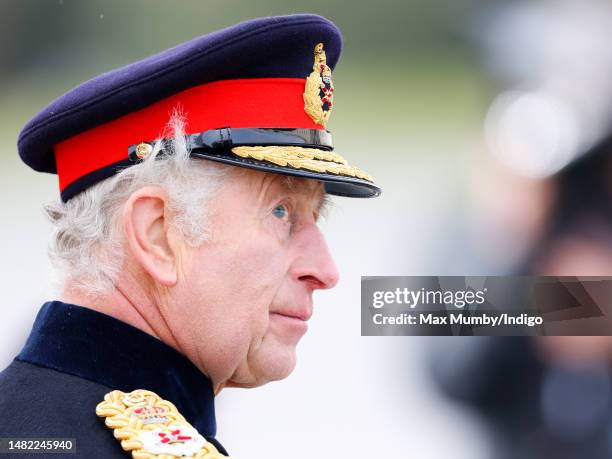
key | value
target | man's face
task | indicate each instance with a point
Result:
(246, 294)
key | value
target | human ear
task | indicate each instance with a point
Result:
(145, 222)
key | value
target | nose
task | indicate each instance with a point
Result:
(314, 264)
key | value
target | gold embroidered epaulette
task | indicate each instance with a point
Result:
(152, 428)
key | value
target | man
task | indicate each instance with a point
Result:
(191, 183)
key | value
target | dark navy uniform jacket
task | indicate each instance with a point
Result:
(72, 358)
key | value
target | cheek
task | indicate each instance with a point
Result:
(236, 284)
(252, 270)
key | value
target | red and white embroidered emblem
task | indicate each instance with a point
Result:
(152, 414)
(173, 440)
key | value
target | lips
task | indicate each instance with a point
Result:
(302, 314)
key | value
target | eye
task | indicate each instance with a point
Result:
(281, 212)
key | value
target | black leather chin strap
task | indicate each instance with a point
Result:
(218, 140)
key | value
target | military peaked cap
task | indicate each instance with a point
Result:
(256, 95)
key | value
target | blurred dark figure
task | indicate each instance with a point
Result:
(543, 206)
(548, 397)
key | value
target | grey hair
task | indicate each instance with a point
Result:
(86, 246)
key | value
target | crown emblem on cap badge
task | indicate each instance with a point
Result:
(319, 92)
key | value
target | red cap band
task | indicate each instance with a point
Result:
(247, 103)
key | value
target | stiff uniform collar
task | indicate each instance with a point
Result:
(91, 345)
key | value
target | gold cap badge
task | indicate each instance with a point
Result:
(319, 92)
(152, 428)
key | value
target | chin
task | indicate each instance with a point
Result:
(275, 366)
